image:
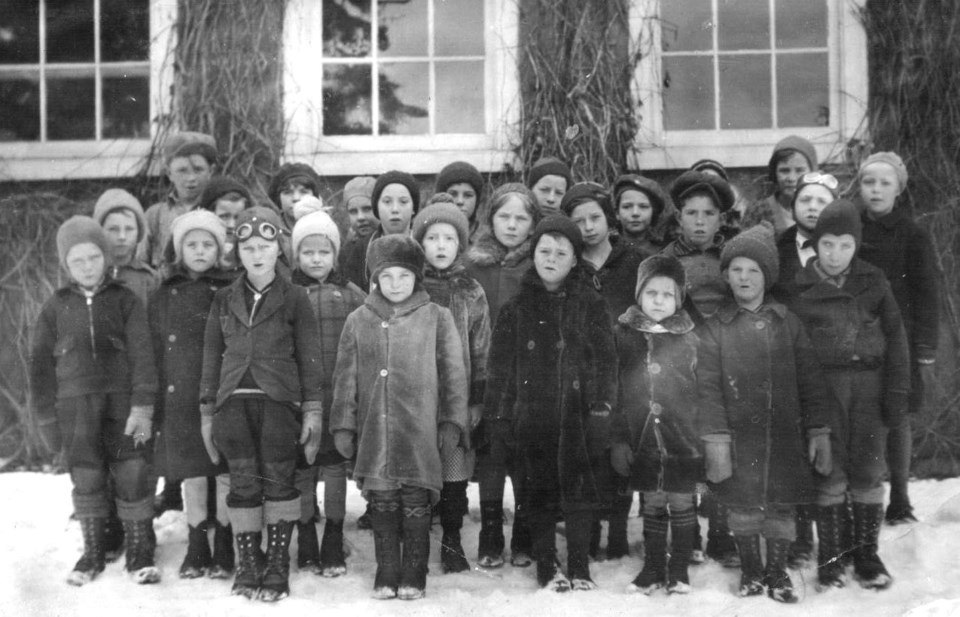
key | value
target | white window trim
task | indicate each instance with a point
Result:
(657, 148)
(106, 158)
(352, 155)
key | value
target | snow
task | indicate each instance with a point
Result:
(40, 544)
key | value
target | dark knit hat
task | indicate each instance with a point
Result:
(458, 172)
(791, 143)
(711, 165)
(257, 215)
(119, 199)
(290, 172)
(395, 250)
(220, 186)
(549, 166)
(441, 212)
(839, 217)
(583, 192)
(662, 265)
(559, 224)
(187, 143)
(78, 230)
(691, 182)
(891, 159)
(636, 182)
(395, 177)
(756, 243)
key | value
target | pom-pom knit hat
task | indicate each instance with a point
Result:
(891, 159)
(838, 218)
(756, 243)
(662, 265)
(559, 224)
(79, 230)
(316, 223)
(690, 182)
(441, 213)
(119, 199)
(307, 205)
(197, 219)
(396, 177)
(395, 250)
(549, 166)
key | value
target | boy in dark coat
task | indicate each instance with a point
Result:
(639, 203)
(551, 385)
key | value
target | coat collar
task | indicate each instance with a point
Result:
(487, 251)
(572, 285)
(682, 249)
(107, 283)
(272, 301)
(889, 221)
(618, 250)
(180, 276)
(455, 269)
(770, 308)
(860, 277)
(678, 323)
(384, 309)
(304, 280)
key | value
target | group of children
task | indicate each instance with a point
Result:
(587, 343)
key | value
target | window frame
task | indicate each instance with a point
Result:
(345, 155)
(658, 148)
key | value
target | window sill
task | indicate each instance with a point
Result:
(69, 160)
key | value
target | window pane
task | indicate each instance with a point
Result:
(404, 88)
(347, 99)
(460, 105)
(70, 108)
(346, 33)
(686, 25)
(458, 27)
(688, 93)
(126, 107)
(801, 24)
(69, 30)
(20, 102)
(403, 28)
(20, 29)
(124, 30)
(803, 90)
(744, 24)
(745, 92)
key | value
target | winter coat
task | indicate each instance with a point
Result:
(400, 375)
(352, 262)
(657, 411)
(93, 345)
(646, 243)
(616, 279)
(497, 269)
(177, 315)
(760, 382)
(552, 364)
(768, 209)
(789, 261)
(706, 287)
(159, 218)
(332, 302)
(139, 277)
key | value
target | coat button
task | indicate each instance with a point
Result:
(337, 294)
(173, 292)
(576, 384)
(654, 368)
(384, 324)
(383, 372)
(172, 338)
(656, 409)
(531, 345)
(170, 388)
(760, 325)
(656, 420)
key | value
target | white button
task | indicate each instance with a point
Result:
(173, 292)
(170, 388)
(383, 372)
(172, 338)
(384, 324)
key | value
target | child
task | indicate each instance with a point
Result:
(893, 242)
(316, 242)
(178, 317)
(92, 384)
(549, 179)
(551, 385)
(761, 394)
(293, 182)
(357, 200)
(227, 198)
(400, 392)
(443, 231)
(260, 390)
(851, 314)
(465, 184)
(639, 203)
(792, 157)
(189, 160)
(654, 434)
(733, 216)
(121, 216)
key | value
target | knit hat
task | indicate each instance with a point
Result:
(187, 143)
(441, 213)
(78, 230)
(757, 244)
(711, 165)
(559, 224)
(791, 143)
(257, 215)
(361, 186)
(119, 199)
(220, 186)
(662, 265)
(583, 192)
(395, 250)
(395, 177)
(891, 159)
(692, 181)
(197, 219)
(293, 172)
(635, 182)
(838, 218)
(316, 223)
(307, 205)
(549, 166)
(458, 172)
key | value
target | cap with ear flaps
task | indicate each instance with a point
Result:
(838, 218)
(79, 230)
(662, 265)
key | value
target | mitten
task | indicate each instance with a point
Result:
(448, 436)
(476, 414)
(206, 431)
(50, 434)
(717, 457)
(621, 457)
(820, 452)
(310, 434)
(343, 440)
(140, 424)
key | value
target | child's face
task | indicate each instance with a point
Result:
(746, 282)
(199, 251)
(465, 198)
(553, 258)
(396, 283)
(836, 252)
(549, 191)
(441, 244)
(658, 298)
(592, 222)
(227, 210)
(635, 211)
(85, 264)
(789, 171)
(362, 219)
(879, 188)
(259, 256)
(699, 221)
(316, 257)
(512, 224)
(395, 209)
(810, 202)
(290, 194)
(189, 176)
(120, 227)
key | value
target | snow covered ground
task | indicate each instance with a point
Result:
(39, 545)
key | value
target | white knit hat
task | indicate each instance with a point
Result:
(198, 219)
(306, 205)
(316, 223)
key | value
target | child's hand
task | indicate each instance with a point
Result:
(448, 437)
(718, 459)
(621, 457)
(819, 451)
(310, 434)
(343, 440)
(139, 425)
(206, 431)
(50, 435)
(476, 414)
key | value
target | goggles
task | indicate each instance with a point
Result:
(816, 177)
(264, 229)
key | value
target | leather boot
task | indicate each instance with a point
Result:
(654, 573)
(775, 577)
(867, 566)
(416, 553)
(223, 555)
(801, 549)
(490, 549)
(141, 545)
(830, 569)
(682, 526)
(617, 543)
(386, 520)
(275, 584)
(453, 502)
(333, 562)
(308, 547)
(578, 525)
(91, 563)
(751, 565)
(250, 565)
(198, 557)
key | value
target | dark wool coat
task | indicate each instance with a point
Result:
(646, 243)
(352, 262)
(497, 269)
(84, 347)
(706, 287)
(400, 375)
(177, 314)
(789, 263)
(760, 382)
(616, 279)
(553, 360)
(657, 411)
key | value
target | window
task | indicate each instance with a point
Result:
(372, 85)
(727, 79)
(76, 78)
